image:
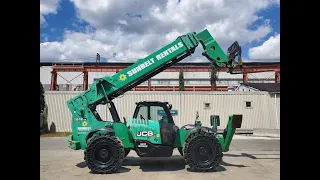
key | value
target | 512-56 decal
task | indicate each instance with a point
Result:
(79, 119)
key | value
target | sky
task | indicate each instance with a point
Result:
(126, 30)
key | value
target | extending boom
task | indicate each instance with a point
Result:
(105, 89)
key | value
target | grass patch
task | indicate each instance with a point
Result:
(56, 134)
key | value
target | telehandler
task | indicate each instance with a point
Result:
(151, 132)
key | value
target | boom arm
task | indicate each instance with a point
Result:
(105, 89)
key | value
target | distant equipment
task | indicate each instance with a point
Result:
(98, 58)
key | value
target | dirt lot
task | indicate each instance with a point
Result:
(248, 159)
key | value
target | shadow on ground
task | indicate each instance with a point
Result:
(174, 163)
(252, 156)
(121, 170)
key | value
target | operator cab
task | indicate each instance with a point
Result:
(153, 110)
(158, 111)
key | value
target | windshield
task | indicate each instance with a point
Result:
(155, 113)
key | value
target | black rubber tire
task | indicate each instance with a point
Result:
(180, 149)
(208, 143)
(188, 126)
(126, 151)
(111, 149)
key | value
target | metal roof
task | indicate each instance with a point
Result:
(269, 87)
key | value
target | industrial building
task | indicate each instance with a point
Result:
(259, 109)
(79, 76)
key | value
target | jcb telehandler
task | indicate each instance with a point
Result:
(151, 132)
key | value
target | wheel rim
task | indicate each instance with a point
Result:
(203, 153)
(103, 154)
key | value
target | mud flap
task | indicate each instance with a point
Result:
(234, 122)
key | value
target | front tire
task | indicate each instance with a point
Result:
(104, 154)
(202, 152)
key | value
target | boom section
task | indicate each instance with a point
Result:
(145, 68)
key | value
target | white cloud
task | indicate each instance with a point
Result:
(47, 7)
(133, 29)
(45, 37)
(270, 49)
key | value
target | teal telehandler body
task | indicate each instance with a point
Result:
(151, 132)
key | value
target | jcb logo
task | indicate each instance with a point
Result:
(144, 133)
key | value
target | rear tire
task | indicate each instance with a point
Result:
(104, 154)
(202, 152)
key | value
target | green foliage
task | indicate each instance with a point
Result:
(214, 75)
(181, 80)
(42, 100)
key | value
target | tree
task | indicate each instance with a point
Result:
(213, 76)
(42, 100)
(181, 80)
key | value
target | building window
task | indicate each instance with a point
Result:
(206, 105)
(144, 83)
(164, 82)
(248, 104)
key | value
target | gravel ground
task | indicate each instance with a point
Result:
(249, 158)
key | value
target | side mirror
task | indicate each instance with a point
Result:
(215, 120)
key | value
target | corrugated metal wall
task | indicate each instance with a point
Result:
(263, 113)
(274, 111)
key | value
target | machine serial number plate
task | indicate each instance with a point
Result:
(143, 145)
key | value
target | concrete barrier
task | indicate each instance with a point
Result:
(266, 132)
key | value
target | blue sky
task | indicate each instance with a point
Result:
(273, 14)
(57, 23)
(69, 23)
